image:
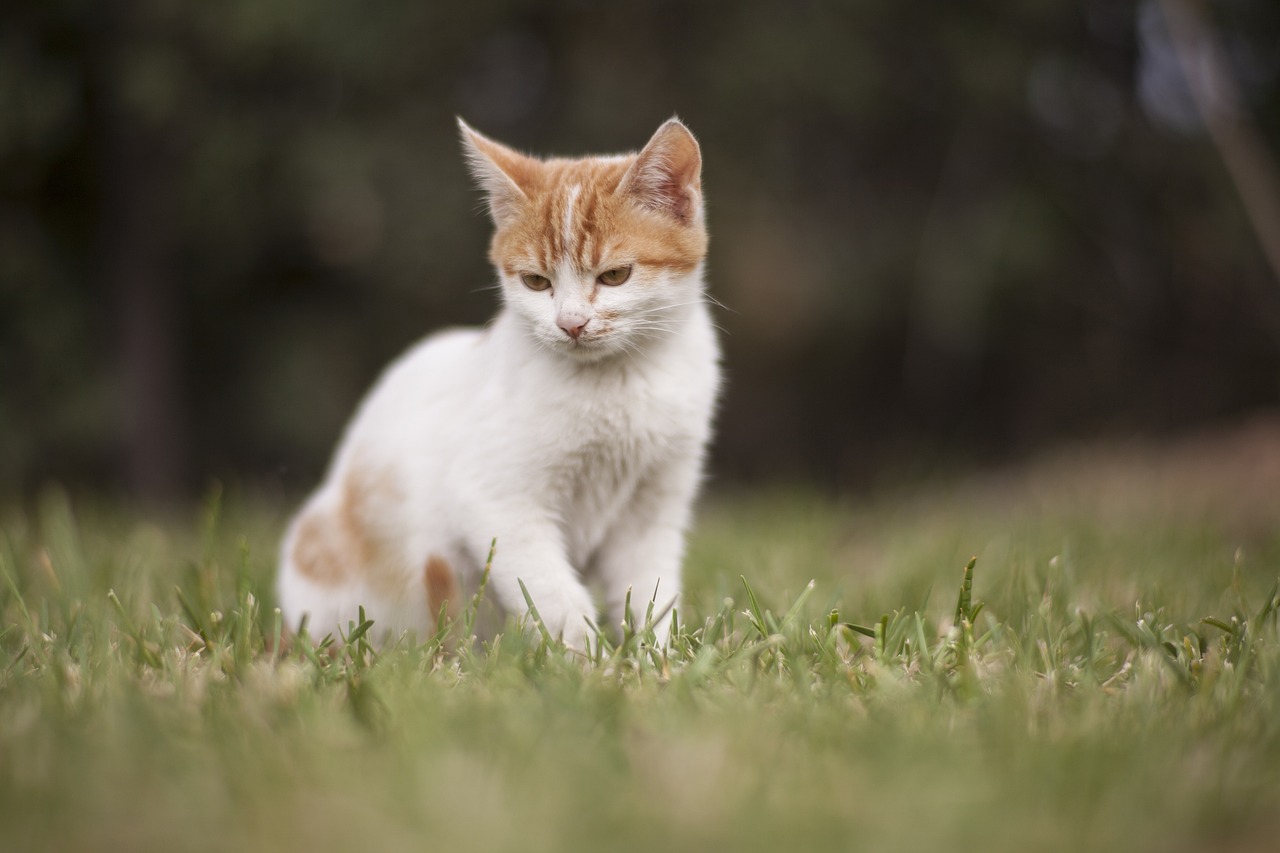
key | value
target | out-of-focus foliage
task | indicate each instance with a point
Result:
(960, 232)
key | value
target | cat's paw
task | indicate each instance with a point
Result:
(564, 614)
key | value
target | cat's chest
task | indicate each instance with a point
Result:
(604, 458)
(602, 441)
(607, 434)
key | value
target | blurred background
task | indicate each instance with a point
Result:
(942, 240)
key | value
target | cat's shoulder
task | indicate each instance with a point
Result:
(429, 370)
(450, 338)
(441, 347)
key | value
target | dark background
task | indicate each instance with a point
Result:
(946, 234)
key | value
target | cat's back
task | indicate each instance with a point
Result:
(423, 389)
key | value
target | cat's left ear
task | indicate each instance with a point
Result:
(503, 173)
(667, 173)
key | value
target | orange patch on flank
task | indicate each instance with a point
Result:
(359, 490)
(442, 587)
(319, 554)
(329, 548)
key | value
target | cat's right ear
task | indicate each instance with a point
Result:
(501, 172)
(667, 174)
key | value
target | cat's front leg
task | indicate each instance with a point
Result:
(641, 557)
(537, 559)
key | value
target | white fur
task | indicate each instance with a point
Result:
(569, 234)
(582, 458)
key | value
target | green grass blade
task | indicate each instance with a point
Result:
(964, 602)
(547, 639)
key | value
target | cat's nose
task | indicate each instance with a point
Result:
(572, 326)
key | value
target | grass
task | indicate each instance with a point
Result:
(1106, 675)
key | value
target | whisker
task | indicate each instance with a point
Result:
(716, 302)
(704, 300)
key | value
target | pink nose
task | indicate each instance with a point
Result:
(572, 326)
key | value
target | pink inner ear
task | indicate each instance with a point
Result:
(666, 175)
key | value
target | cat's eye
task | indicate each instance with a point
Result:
(615, 276)
(533, 281)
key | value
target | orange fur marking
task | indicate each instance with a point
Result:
(359, 490)
(316, 553)
(612, 227)
(442, 587)
(330, 548)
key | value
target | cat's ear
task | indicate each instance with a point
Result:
(667, 174)
(503, 173)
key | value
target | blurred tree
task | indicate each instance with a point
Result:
(131, 108)
(1219, 105)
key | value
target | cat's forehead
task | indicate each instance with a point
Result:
(575, 214)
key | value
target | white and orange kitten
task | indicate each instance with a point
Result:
(572, 429)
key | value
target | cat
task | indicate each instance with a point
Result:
(571, 430)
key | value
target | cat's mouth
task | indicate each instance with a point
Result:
(584, 343)
(587, 346)
(588, 337)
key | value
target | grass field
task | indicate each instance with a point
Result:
(1110, 682)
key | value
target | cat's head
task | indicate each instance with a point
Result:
(596, 255)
